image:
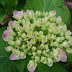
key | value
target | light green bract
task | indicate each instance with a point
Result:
(41, 35)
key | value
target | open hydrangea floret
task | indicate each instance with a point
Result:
(41, 35)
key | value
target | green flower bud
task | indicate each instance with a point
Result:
(34, 48)
(18, 42)
(58, 20)
(23, 55)
(39, 52)
(65, 44)
(37, 58)
(11, 42)
(9, 48)
(68, 50)
(43, 60)
(42, 46)
(24, 35)
(34, 53)
(44, 39)
(23, 46)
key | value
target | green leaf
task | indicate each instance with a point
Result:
(55, 68)
(2, 15)
(3, 2)
(7, 65)
(21, 4)
(48, 5)
(69, 58)
(11, 6)
(12, 3)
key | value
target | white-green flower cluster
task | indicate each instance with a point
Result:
(41, 35)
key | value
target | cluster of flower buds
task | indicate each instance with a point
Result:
(41, 35)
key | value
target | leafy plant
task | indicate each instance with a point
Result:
(6, 8)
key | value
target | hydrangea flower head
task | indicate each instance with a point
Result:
(41, 35)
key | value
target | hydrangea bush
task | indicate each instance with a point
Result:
(41, 35)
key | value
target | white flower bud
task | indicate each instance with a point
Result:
(34, 48)
(23, 46)
(58, 20)
(70, 42)
(42, 46)
(43, 59)
(68, 50)
(46, 47)
(30, 53)
(37, 58)
(16, 52)
(49, 62)
(68, 32)
(23, 55)
(19, 33)
(31, 65)
(44, 52)
(11, 42)
(47, 50)
(18, 42)
(54, 44)
(44, 39)
(9, 48)
(52, 13)
(59, 39)
(68, 37)
(53, 37)
(24, 35)
(34, 53)
(65, 44)
(39, 51)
